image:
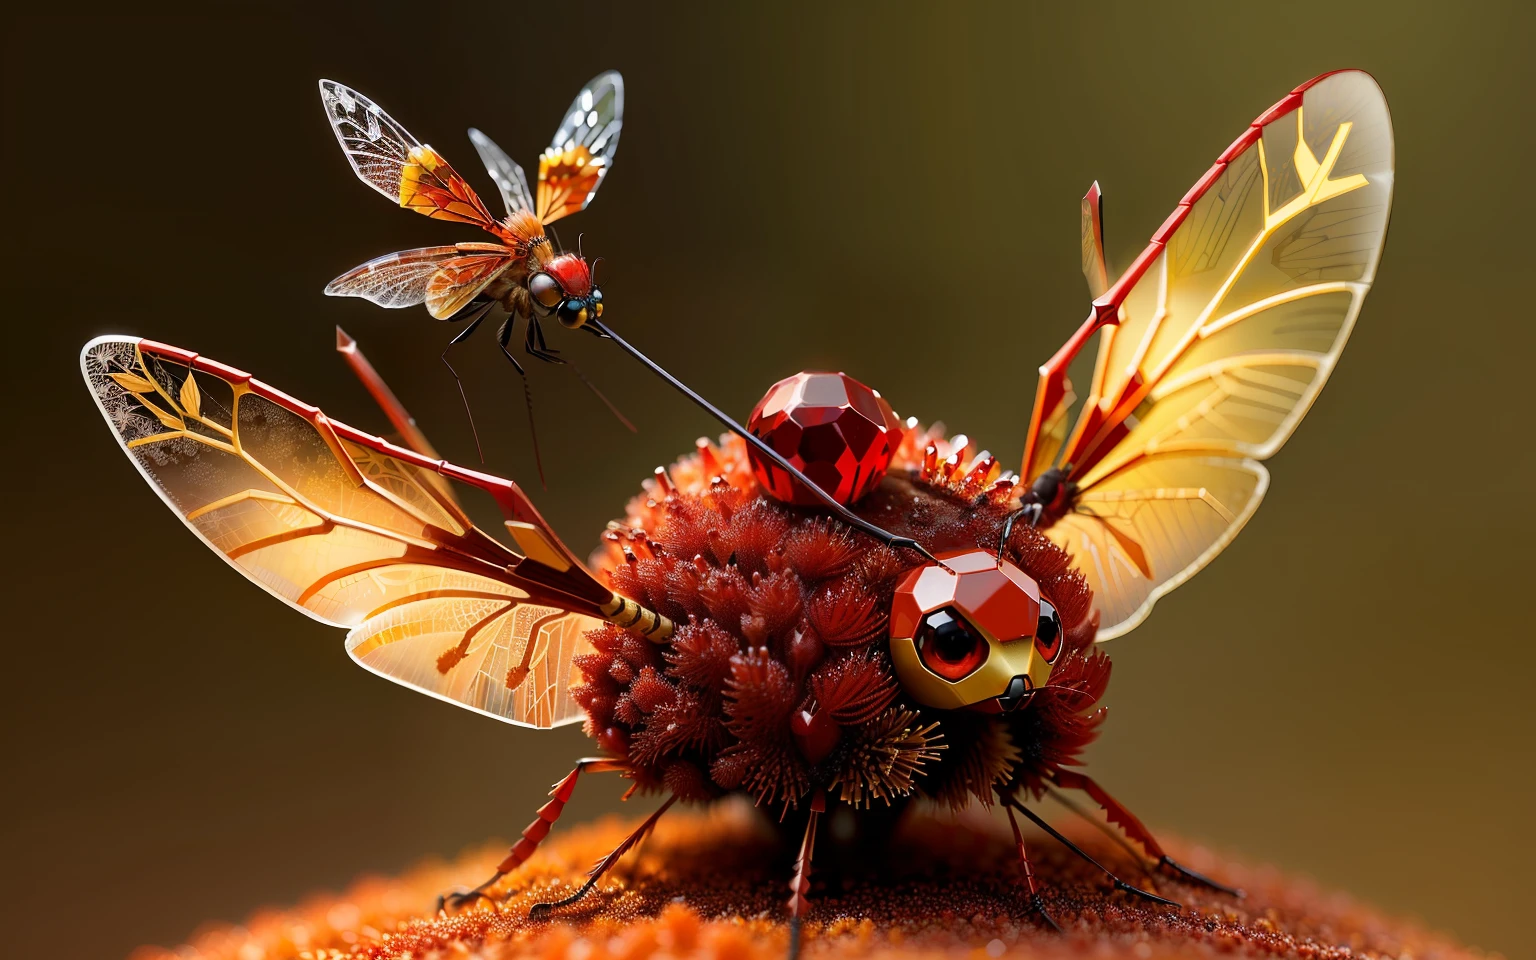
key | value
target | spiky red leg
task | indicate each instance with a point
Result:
(1029, 873)
(536, 831)
(799, 903)
(1134, 828)
(604, 865)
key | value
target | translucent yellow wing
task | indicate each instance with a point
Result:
(581, 152)
(354, 532)
(1215, 342)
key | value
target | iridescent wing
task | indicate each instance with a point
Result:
(349, 530)
(577, 159)
(509, 177)
(1218, 338)
(387, 158)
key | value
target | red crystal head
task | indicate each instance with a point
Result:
(972, 631)
(838, 432)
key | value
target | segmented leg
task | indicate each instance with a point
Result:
(536, 831)
(536, 347)
(503, 336)
(800, 885)
(464, 335)
(604, 865)
(1029, 874)
(1119, 884)
(1134, 828)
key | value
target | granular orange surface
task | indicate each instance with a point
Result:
(713, 885)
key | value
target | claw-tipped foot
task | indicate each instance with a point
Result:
(1195, 876)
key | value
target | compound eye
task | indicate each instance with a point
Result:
(1048, 631)
(949, 646)
(546, 290)
(573, 313)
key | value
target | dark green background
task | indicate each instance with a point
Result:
(888, 190)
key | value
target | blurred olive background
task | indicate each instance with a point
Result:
(889, 190)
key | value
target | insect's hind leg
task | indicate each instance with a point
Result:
(503, 337)
(1135, 829)
(604, 865)
(460, 338)
(535, 832)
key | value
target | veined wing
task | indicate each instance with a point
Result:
(1221, 334)
(509, 177)
(459, 280)
(1149, 528)
(577, 159)
(347, 529)
(387, 158)
(400, 279)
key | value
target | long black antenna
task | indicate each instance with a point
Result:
(843, 513)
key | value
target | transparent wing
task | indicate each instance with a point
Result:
(387, 158)
(509, 177)
(490, 652)
(332, 521)
(377, 147)
(577, 159)
(1219, 337)
(1141, 533)
(393, 280)
(459, 280)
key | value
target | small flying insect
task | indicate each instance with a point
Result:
(522, 273)
(729, 637)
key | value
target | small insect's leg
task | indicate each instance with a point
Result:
(534, 833)
(503, 336)
(1029, 874)
(462, 336)
(800, 885)
(604, 865)
(1039, 821)
(537, 347)
(1135, 829)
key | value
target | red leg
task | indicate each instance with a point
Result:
(1029, 872)
(605, 864)
(535, 831)
(800, 885)
(1133, 827)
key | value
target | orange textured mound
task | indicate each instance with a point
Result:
(708, 886)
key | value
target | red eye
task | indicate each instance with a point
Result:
(1048, 632)
(949, 646)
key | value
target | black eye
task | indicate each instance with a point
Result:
(1048, 631)
(573, 312)
(545, 289)
(949, 646)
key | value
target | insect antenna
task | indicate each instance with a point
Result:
(1039, 821)
(843, 513)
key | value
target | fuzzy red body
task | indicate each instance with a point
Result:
(778, 682)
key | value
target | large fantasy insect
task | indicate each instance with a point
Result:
(725, 640)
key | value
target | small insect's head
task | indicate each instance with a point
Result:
(973, 631)
(563, 288)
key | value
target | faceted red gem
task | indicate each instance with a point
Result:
(838, 432)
